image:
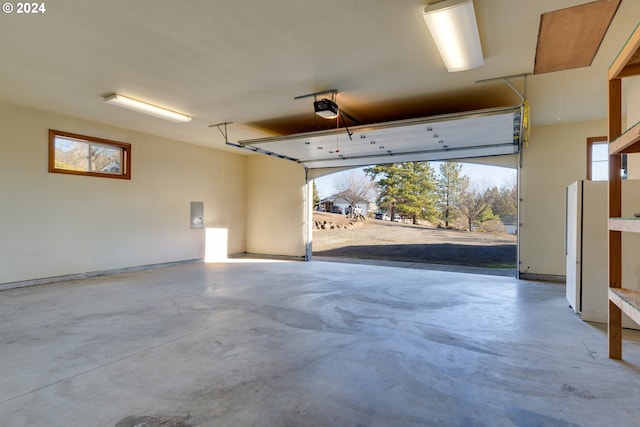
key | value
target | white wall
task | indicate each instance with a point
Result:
(276, 207)
(555, 157)
(55, 224)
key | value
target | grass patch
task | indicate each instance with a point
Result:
(501, 265)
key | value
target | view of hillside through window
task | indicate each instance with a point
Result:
(78, 155)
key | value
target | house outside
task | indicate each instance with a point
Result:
(510, 224)
(327, 204)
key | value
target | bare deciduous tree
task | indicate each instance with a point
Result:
(471, 202)
(355, 188)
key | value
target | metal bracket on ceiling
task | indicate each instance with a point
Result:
(224, 133)
(507, 79)
(250, 148)
(341, 113)
(333, 93)
(524, 120)
(261, 151)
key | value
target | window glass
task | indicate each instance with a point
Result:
(83, 155)
(600, 161)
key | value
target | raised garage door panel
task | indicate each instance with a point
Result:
(481, 133)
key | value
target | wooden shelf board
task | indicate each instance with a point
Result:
(631, 225)
(628, 142)
(628, 300)
(627, 56)
(630, 70)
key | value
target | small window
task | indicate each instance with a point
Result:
(599, 151)
(598, 160)
(85, 155)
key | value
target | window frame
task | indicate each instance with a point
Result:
(590, 143)
(124, 147)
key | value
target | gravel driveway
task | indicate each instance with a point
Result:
(385, 240)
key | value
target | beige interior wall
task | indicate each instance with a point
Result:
(555, 157)
(276, 207)
(54, 224)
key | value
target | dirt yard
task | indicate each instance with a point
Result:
(390, 241)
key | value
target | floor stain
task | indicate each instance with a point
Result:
(574, 391)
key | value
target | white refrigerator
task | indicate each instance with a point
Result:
(586, 248)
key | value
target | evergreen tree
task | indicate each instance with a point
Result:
(316, 196)
(450, 185)
(487, 215)
(504, 200)
(408, 189)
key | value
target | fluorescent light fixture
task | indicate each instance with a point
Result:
(143, 107)
(455, 31)
(326, 108)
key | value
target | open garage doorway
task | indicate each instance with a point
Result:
(467, 219)
(494, 135)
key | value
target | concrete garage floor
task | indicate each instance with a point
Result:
(307, 344)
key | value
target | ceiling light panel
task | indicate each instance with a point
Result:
(146, 108)
(454, 29)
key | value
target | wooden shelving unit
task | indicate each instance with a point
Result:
(631, 225)
(627, 300)
(628, 142)
(621, 300)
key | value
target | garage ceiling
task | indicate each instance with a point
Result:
(246, 61)
(483, 133)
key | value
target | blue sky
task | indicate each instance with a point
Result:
(482, 175)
